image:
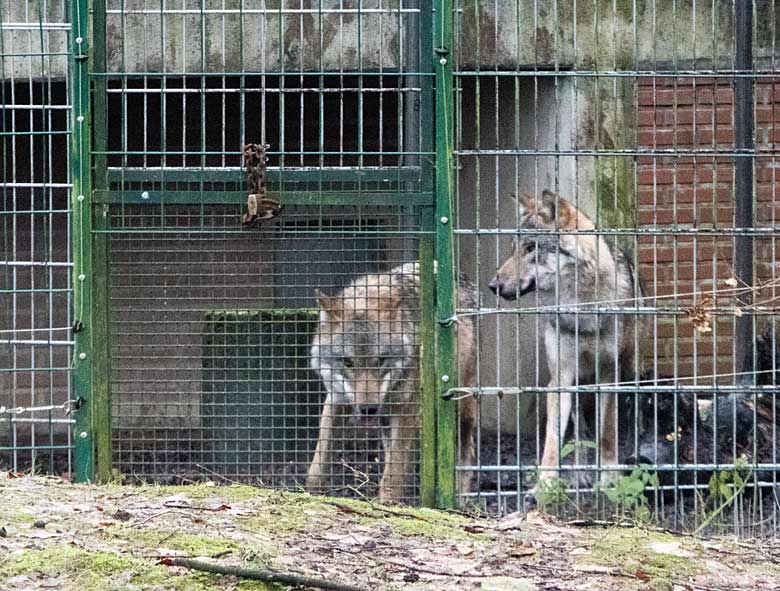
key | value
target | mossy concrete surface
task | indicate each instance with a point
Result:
(104, 538)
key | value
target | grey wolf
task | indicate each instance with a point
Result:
(366, 352)
(566, 268)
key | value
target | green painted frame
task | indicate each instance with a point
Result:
(97, 184)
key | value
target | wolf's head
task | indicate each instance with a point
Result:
(538, 259)
(364, 351)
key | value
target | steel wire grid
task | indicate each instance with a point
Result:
(35, 255)
(211, 324)
(641, 115)
(210, 335)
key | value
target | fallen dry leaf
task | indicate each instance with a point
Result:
(473, 528)
(521, 550)
(701, 314)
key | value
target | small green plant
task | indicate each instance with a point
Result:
(628, 494)
(725, 485)
(571, 446)
(551, 493)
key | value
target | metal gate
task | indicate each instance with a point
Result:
(209, 321)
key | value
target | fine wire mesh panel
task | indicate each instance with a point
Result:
(211, 331)
(35, 257)
(627, 318)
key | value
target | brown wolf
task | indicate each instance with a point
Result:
(366, 352)
(569, 269)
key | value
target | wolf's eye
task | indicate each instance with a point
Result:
(530, 247)
(348, 363)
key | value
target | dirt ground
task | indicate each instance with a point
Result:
(56, 535)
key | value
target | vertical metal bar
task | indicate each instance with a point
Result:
(425, 133)
(100, 358)
(446, 375)
(743, 176)
(82, 241)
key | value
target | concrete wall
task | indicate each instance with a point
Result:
(268, 35)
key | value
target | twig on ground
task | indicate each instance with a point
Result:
(255, 574)
(174, 505)
(624, 523)
(217, 474)
(375, 509)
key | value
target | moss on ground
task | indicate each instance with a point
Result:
(289, 513)
(153, 538)
(629, 551)
(233, 492)
(82, 569)
(437, 528)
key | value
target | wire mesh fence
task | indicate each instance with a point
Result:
(613, 200)
(211, 333)
(35, 256)
(627, 360)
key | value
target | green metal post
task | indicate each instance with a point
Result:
(101, 423)
(81, 221)
(428, 389)
(446, 369)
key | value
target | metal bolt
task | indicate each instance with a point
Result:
(83, 434)
(145, 195)
(82, 277)
(80, 198)
(444, 219)
(445, 378)
(82, 355)
(79, 40)
(80, 118)
(443, 61)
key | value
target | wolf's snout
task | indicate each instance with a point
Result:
(369, 410)
(502, 289)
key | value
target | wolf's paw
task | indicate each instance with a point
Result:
(549, 490)
(315, 484)
(390, 492)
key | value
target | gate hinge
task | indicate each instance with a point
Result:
(258, 206)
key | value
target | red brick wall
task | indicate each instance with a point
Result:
(697, 192)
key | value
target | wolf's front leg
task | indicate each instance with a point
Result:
(398, 443)
(608, 443)
(467, 410)
(558, 413)
(315, 479)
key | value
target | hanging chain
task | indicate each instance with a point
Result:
(258, 206)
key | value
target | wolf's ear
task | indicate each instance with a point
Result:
(549, 206)
(328, 305)
(523, 202)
